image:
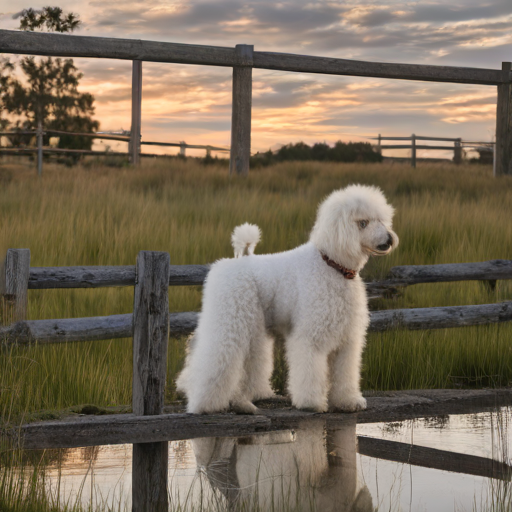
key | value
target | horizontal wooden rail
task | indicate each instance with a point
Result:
(120, 326)
(42, 278)
(417, 146)
(449, 272)
(183, 275)
(128, 428)
(32, 43)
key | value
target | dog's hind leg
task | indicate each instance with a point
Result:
(258, 367)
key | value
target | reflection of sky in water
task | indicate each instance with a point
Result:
(103, 474)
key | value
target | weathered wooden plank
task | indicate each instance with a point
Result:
(42, 278)
(150, 340)
(183, 275)
(64, 45)
(332, 66)
(448, 272)
(134, 145)
(119, 326)
(150, 332)
(503, 147)
(433, 458)
(441, 317)
(67, 330)
(102, 276)
(128, 428)
(14, 285)
(241, 111)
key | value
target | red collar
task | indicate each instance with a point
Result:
(347, 273)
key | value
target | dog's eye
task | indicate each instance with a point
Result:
(363, 223)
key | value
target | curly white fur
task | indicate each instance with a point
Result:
(322, 316)
(244, 239)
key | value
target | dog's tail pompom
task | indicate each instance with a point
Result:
(244, 239)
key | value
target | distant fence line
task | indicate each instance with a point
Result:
(458, 145)
(40, 149)
(243, 59)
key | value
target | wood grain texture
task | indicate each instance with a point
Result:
(331, 66)
(103, 276)
(150, 341)
(134, 144)
(120, 326)
(150, 469)
(241, 111)
(503, 147)
(150, 332)
(14, 285)
(65, 45)
(448, 272)
(127, 428)
(441, 317)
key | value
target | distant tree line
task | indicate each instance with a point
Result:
(320, 152)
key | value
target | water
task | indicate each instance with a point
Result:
(314, 467)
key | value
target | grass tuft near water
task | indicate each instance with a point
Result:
(104, 216)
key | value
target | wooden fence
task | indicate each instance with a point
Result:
(243, 59)
(40, 149)
(458, 145)
(150, 326)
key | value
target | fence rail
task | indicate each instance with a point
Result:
(243, 59)
(152, 51)
(40, 149)
(457, 147)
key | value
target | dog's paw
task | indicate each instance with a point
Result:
(312, 407)
(243, 407)
(356, 404)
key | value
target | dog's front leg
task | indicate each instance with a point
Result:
(307, 381)
(345, 364)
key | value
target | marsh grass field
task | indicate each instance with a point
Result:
(97, 215)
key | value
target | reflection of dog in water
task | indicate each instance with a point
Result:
(312, 295)
(305, 470)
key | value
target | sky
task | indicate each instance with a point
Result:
(193, 103)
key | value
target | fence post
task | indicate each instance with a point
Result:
(379, 143)
(183, 148)
(457, 151)
(134, 149)
(413, 150)
(503, 146)
(14, 285)
(241, 113)
(39, 135)
(150, 338)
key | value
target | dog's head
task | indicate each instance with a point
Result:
(354, 223)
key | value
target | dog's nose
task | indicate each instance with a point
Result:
(387, 245)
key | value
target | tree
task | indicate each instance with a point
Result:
(49, 92)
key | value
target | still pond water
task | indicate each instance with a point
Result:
(314, 467)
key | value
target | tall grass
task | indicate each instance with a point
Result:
(103, 216)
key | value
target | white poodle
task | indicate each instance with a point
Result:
(312, 295)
